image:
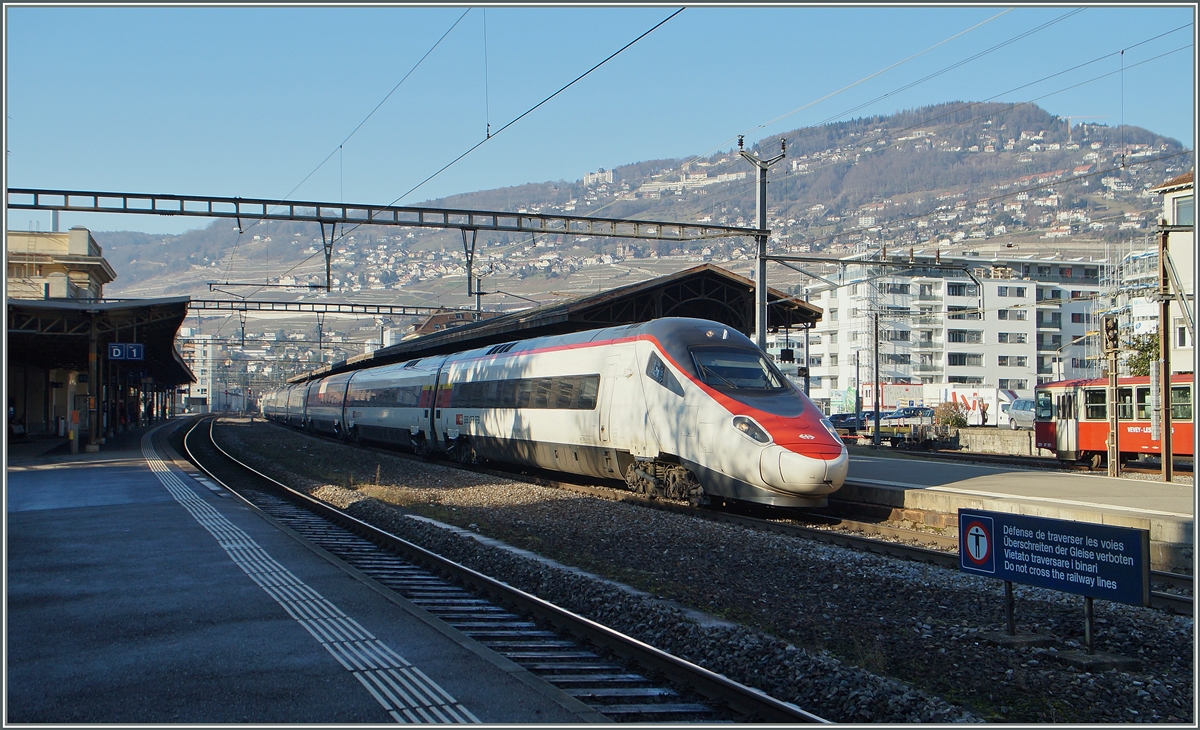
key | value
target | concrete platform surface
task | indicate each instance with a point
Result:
(935, 486)
(136, 595)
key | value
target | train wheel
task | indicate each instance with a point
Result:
(1095, 460)
(636, 480)
(464, 452)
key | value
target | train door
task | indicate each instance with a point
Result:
(1066, 426)
(612, 375)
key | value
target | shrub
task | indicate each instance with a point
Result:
(950, 414)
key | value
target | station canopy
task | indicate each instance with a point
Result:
(57, 333)
(703, 292)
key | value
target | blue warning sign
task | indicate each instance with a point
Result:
(1100, 561)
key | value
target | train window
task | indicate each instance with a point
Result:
(1125, 404)
(736, 368)
(658, 371)
(1093, 404)
(1045, 407)
(1142, 410)
(576, 392)
(1181, 403)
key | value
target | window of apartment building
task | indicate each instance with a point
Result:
(833, 383)
(897, 359)
(925, 336)
(1081, 363)
(1054, 320)
(1013, 383)
(1181, 334)
(1081, 317)
(853, 312)
(1043, 271)
(854, 290)
(1076, 294)
(1011, 338)
(893, 288)
(1018, 315)
(1012, 361)
(833, 315)
(1064, 271)
(1185, 210)
(962, 290)
(896, 335)
(814, 381)
(854, 336)
(926, 290)
(833, 361)
(1010, 291)
(963, 313)
(974, 336)
(814, 361)
(965, 379)
(833, 338)
(964, 359)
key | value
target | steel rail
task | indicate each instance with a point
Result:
(944, 554)
(748, 701)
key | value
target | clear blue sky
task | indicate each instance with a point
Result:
(248, 101)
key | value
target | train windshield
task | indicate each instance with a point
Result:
(1045, 407)
(737, 368)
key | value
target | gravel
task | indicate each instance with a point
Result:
(849, 636)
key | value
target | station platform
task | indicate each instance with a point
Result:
(930, 492)
(138, 595)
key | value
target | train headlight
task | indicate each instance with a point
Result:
(829, 427)
(751, 429)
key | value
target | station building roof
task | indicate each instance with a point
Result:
(705, 292)
(56, 333)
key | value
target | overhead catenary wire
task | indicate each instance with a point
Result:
(946, 69)
(739, 190)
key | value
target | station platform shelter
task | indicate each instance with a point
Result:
(86, 368)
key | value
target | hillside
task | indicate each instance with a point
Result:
(947, 176)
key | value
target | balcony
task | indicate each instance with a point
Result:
(935, 297)
(927, 320)
(928, 367)
(1054, 324)
(928, 344)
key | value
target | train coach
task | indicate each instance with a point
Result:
(1071, 418)
(677, 407)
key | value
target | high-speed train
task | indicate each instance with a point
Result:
(680, 408)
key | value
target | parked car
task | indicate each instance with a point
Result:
(908, 412)
(845, 420)
(1020, 414)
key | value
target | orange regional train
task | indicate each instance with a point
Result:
(1071, 418)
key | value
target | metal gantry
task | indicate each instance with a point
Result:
(359, 214)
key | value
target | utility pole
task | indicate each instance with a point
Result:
(760, 238)
(1112, 347)
(1164, 356)
(876, 386)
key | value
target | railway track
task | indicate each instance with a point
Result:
(926, 547)
(919, 545)
(619, 677)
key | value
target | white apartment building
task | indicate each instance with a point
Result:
(1179, 210)
(1010, 324)
(201, 353)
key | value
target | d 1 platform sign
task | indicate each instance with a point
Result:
(1101, 561)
